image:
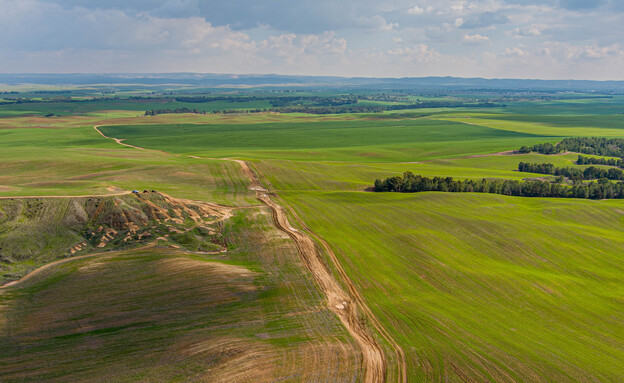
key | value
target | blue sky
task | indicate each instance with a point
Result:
(553, 39)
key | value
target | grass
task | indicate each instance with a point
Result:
(78, 161)
(137, 106)
(361, 141)
(484, 287)
(328, 176)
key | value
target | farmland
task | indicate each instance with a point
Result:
(470, 286)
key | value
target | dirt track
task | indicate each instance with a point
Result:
(43, 268)
(346, 306)
(117, 140)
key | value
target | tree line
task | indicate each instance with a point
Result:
(155, 112)
(582, 160)
(411, 183)
(589, 173)
(601, 146)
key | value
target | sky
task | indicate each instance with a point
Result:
(551, 39)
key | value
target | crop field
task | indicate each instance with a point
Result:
(58, 160)
(138, 106)
(482, 287)
(470, 286)
(362, 141)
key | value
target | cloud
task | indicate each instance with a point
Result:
(415, 10)
(532, 30)
(476, 39)
(557, 38)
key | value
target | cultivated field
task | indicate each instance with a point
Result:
(451, 287)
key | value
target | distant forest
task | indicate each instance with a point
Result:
(411, 183)
(340, 104)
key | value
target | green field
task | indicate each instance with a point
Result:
(488, 287)
(352, 140)
(472, 287)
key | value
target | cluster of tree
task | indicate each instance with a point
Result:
(546, 148)
(52, 91)
(602, 146)
(155, 112)
(536, 168)
(47, 100)
(582, 160)
(363, 108)
(576, 175)
(206, 99)
(411, 183)
(339, 104)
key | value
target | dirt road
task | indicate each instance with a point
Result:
(117, 140)
(349, 307)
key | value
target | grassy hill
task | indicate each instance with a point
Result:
(160, 315)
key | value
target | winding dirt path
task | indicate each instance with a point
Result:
(349, 307)
(343, 304)
(117, 140)
(43, 268)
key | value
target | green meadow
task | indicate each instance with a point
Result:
(360, 140)
(39, 161)
(473, 287)
(488, 287)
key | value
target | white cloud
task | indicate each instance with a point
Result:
(351, 37)
(532, 30)
(415, 10)
(476, 39)
(516, 51)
